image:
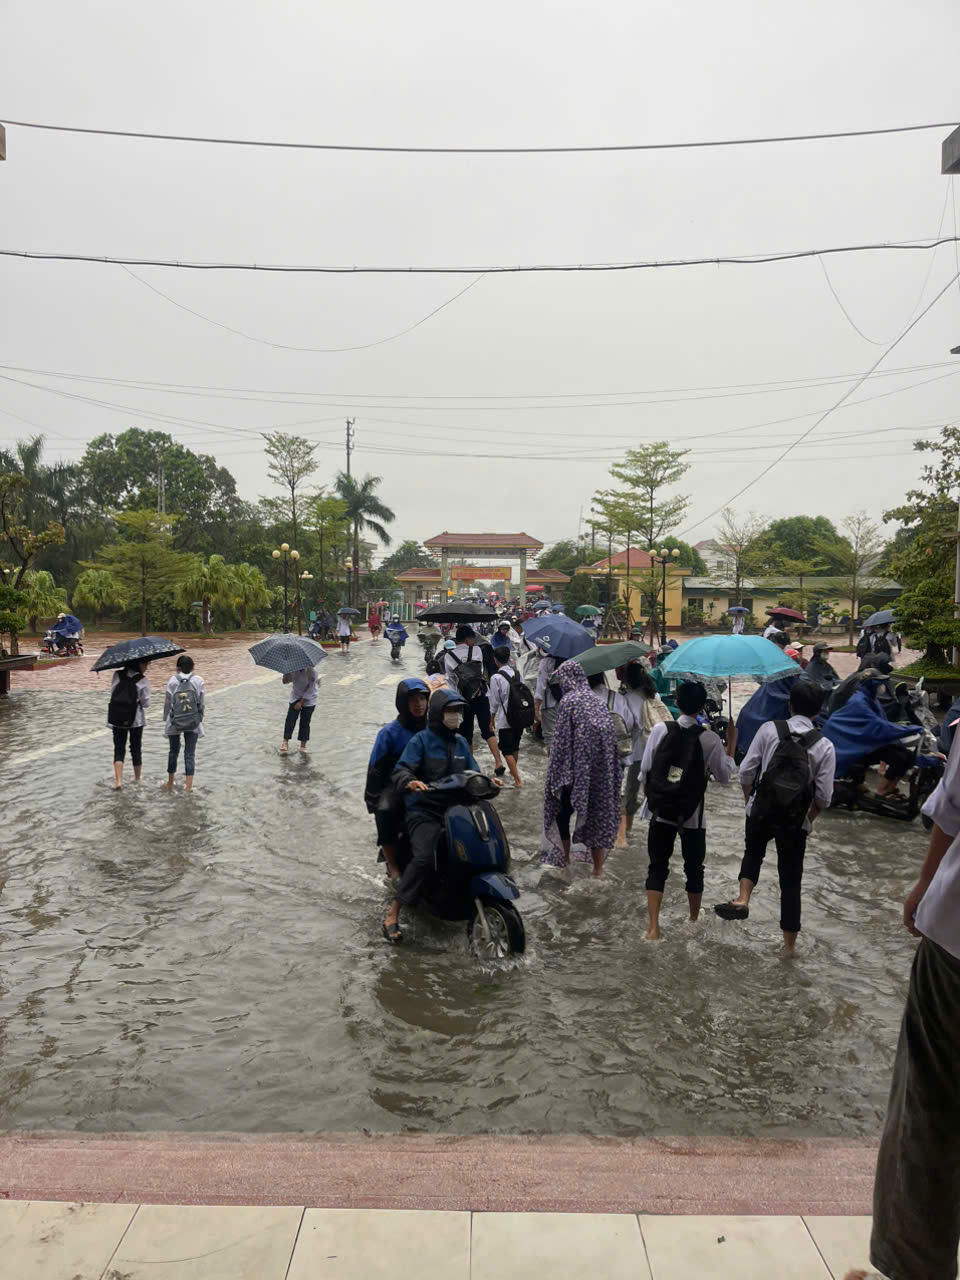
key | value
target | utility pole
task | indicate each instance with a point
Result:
(161, 494)
(950, 167)
(350, 434)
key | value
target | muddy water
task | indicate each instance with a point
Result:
(214, 961)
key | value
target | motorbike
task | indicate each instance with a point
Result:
(471, 881)
(64, 646)
(854, 790)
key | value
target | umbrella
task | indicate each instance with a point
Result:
(786, 613)
(420, 604)
(459, 611)
(737, 608)
(348, 610)
(587, 610)
(142, 649)
(885, 616)
(723, 657)
(558, 636)
(541, 605)
(286, 653)
(605, 657)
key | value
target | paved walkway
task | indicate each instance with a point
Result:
(42, 1240)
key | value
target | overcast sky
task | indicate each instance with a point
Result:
(617, 345)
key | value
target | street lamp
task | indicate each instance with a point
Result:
(664, 557)
(348, 566)
(288, 554)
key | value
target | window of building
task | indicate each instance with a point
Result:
(695, 604)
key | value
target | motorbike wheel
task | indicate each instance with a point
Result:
(507, 934)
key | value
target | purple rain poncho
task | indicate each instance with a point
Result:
(584, 758)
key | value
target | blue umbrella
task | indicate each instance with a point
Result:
(348, 610)
(723, 657)
(142, 649)
(558, 636)
(287, 653)
(737, 608)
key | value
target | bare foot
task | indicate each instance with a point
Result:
(118, 786)
(283, 749)
(855, 1275)
(653, 933)
(167, 786)
(303, 748)
(518, 782)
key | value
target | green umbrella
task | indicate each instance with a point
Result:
(588, 611)
(604, 657)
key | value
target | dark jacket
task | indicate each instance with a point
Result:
(821, 673)
(433, 753)
(390, 743)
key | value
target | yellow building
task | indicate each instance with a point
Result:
(627, 581)
(709, 599)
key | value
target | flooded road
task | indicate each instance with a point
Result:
(214, 961)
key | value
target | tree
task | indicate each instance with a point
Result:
(857, 554)
(207, 579)
(99, 590)
(143, 560)
(42, 598)
(581, 589)
(291, 463)
(807, 539)
(564, 556)
(21, 531)
(689, 558)
(13, 616)
(246, 588)
(408, 555)
(647, 472)
(328, 516)
(365, 512)
(750, 554)
(802, 568)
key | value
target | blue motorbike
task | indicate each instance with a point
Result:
(471, 880)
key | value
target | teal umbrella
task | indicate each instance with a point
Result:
(723, 657)
(606, 657)
(587, 610)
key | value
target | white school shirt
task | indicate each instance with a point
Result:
(635, 701)
(770, 630)
(305, 685)
(143, 700)
(619, 704)
(343, 625)
(545, 673)
(823, 761)
(173, 685)
(462, 651)
(938, 915)
(500, 694)
(715, 759)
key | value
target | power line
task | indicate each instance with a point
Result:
(826, 414)
(475, 151)
(733, 260)
(286, 346)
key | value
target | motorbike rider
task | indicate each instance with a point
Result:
(379, 795)
(819, 668)
(866, 722)
(396, 633)
(434, 752)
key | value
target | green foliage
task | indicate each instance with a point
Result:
(245, 590)
(99, 590)
(42, 597)
(807, 539)
(291, 462)
(750, 554)
(20, 523)
(206, 579)
(366, 513)
(143, 560)
(689, 558)
(408, 555)
(13, 613)
(581, 589)
(647, 472)
(563, 556)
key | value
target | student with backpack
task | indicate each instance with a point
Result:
(129, 698)
(464, 668)
(677, 762)
(511, 705)
(183, 708)
(787, 779)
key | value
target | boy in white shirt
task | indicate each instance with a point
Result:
(508, 739)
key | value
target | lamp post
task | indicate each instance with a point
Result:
(348, 566)
(304, 576)
(288, 554)
(664, 557)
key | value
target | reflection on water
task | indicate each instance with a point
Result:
(214, 961)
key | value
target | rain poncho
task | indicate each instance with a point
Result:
(584, 758)
(770, 702)
(860, 727)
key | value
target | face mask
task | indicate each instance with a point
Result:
(451, 719)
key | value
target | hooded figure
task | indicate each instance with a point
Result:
(584, 773)
(391, 740)
(820, 670)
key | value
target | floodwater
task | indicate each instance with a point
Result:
(214, 961)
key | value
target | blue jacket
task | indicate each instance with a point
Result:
(430, 755)
(389, 746)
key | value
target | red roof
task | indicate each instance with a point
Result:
(508, 540)
(433, 575)
(638, 560)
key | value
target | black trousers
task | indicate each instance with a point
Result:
(791, 845)
(423, 831)
(136, 744)
(661, 837)
(897, 759)
(479, 710)
(306, 715)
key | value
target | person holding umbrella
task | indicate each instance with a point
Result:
(344, 629)
(296, 659)
(130, 696)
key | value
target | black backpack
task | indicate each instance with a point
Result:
(677, 781)
(520, 708)
(470, 679)
(785, 790)
(124, 701)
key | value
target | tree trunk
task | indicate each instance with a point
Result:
(355, 593)
(143, 600)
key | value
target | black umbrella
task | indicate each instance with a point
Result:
(143, 649)
(880, 618)
(458, 611)
(286, 653)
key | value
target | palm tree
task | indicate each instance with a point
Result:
(44, 599)
(206, 579)
(366, 512)
(246, 588)
(98, 589)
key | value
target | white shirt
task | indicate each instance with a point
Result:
(617, 703)
(343, 625)
(770, 630)
(823, 761)
(635, 701)
(715, 759)
(938, 915)
(304, 684)
(143, 699)
(463, 652)
(500, 695)
(545, 672)
(173, 685)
